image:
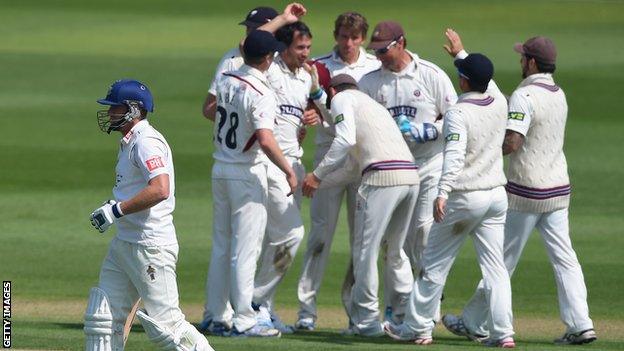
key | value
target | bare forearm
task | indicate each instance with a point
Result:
(210, 107)
(149, 197)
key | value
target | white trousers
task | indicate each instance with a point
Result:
(571, 289)
(130, 271)
(429, 172)
(239, 194)
(324, 210)
(382, 213)
(283, 235)
(482, 215)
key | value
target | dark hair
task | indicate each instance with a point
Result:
(477, 87)
(353, 21)
(541, 66)
(345, 86)
(286, 34)
(250, 60)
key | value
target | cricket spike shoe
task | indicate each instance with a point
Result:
(455, 325)
(584, 337)
(305, 324)
(505, 343)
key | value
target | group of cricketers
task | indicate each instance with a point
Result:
(421, 169)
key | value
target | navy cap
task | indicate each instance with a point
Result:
(261, 43)
(477, 68)
(259, 16)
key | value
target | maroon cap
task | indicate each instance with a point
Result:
(384, 34)
(342, 79)
(540, 48)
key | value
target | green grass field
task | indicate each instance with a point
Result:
(57, 57)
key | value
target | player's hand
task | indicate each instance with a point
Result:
(310, 184)
(312, 70)
(439, 209)
(310, 117)
(293, 12)
(454, 45)
(301, 134)
(104, 216)
(291, 178)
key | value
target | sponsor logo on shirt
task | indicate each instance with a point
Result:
(402, 110)
(518, 116)
(452, 137)
(154, 163)
(339, 118)
(291, 110)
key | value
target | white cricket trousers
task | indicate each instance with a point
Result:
(130, 271)
(284, 232)
(480, 214)
(382, 213)
(324, 210)
(429, 172)
(239, 193)
(571, 288)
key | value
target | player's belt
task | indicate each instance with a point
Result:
(536, 193)
(391, 165)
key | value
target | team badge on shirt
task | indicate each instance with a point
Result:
(452, 137)
(154, 163)
(339, 118)
(518, 116)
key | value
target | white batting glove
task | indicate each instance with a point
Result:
(104, 216)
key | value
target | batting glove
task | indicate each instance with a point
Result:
(104, 216)
(424, 132)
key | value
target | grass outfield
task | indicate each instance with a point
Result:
(57, 57)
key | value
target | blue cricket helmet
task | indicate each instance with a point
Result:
(124, 91)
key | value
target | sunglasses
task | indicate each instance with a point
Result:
(385, 50)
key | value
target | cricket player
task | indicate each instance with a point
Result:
(348, 57)
(471, 201)
(366, 133)
(292, 85)
(538, 191)
(243, 138)
(141, 260)
(417, 93)
(233, 59)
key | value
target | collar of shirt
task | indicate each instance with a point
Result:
(254, 72)
(137, 129)
(409, 70)
(298, 74)
(544, 77)
(472, 95)
(361, 61)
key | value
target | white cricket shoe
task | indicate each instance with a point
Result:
(400, 333)
(455, 325)
(584, 337)
(305, 324)
(257, 330)
(280, 325)
(505, 343)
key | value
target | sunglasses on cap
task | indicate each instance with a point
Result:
(385, 50)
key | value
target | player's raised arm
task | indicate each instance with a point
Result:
(292, 13)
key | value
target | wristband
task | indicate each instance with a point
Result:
(316, 94)
(116, 208)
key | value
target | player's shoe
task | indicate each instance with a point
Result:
(505, 343)
(399, 333)
(455, 325)
(305, 324)
(280, 325)
(256, 331)
(207, 326)
(584, 337)
(388, 314)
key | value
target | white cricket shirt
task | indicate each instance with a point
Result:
(291, 90)
(231, 61)
(143, 155)
(335, 65)
(245, 103)
(421, 91)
